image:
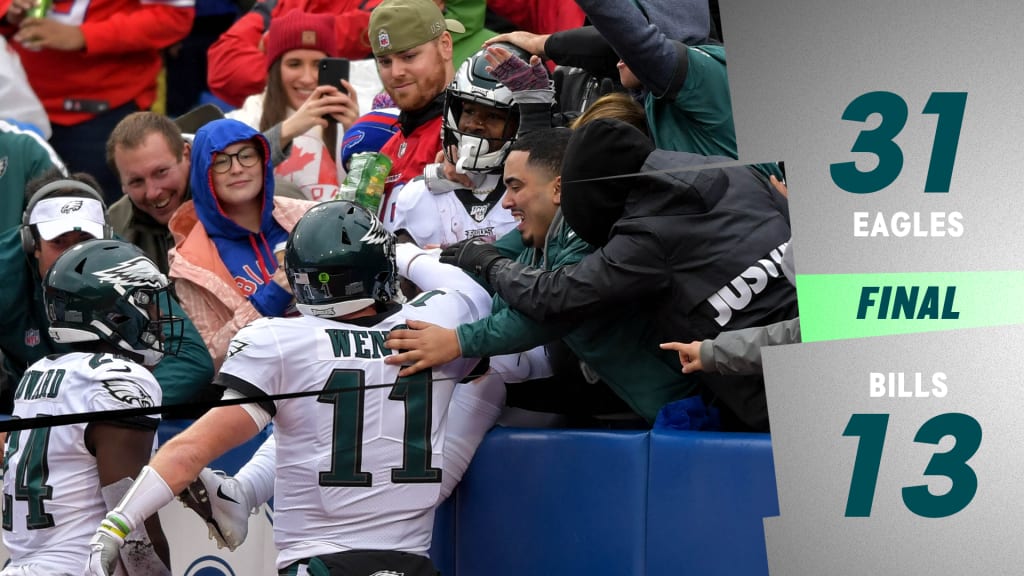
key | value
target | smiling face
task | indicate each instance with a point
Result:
(299, 69)
(241, 183)
(152, 177)
(532, 195)
(415, 77)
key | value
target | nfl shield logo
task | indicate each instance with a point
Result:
(401, 149)
(3, 166)
(32, 337)
(478, 212)
(383, 40)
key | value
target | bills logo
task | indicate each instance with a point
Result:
(355, 138)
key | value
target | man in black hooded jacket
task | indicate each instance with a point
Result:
(704, 246)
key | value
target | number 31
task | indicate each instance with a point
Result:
(949, 106)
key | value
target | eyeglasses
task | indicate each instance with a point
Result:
(247, 158)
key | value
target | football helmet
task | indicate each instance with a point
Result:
(473, 83)
(109, 291)
(339, 259)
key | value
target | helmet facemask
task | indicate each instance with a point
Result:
(125, 314)
(474, 86)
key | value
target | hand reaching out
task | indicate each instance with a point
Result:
(532, 43)
(514, 73)
(689, 355)
(423, 345)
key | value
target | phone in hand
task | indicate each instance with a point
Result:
(332, 72)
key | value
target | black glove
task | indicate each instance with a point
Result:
(473, 255)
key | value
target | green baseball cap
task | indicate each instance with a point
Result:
(398, 25)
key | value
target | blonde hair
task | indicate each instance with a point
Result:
(616, 105)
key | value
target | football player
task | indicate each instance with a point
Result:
(102, 299)
(359, 459)
(479, 125)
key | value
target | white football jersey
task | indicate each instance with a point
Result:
(52, 502)
(447, 218)
(359, 466)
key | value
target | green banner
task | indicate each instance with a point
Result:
(837, 306)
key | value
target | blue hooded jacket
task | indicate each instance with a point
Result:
(248, 256)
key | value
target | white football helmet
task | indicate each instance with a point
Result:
(473, 83)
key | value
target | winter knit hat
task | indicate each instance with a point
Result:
(599, 149)
(369, 133)
(298, 30)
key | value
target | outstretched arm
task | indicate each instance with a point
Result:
(173, 468)
(121, 452)
(659, 63)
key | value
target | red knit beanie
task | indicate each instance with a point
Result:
(300, 30)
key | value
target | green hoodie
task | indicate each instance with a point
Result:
(621, 346)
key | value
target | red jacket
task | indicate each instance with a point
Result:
(121, 60)
(237, 66)
(409, 154)
(539, 16)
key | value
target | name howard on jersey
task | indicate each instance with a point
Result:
(35, 384)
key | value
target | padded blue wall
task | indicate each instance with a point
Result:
(575, 502)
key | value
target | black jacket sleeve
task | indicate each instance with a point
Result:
(584, 48)
(630, 266)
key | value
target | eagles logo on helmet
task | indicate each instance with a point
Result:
(340, 259)
(109, 291)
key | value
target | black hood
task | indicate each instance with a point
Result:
(600, 149)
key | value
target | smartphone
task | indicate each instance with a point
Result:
(332, 72)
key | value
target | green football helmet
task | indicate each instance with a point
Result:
(340, 259)
(109, 291)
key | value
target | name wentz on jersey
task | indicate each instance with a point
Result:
(52, 502)
(361, 462)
